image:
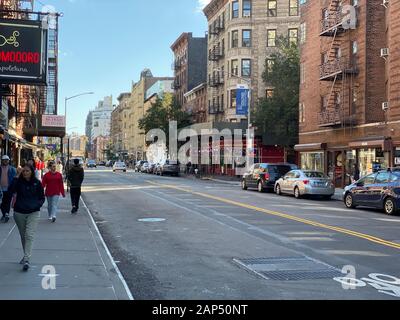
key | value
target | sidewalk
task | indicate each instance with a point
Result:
(83, 267)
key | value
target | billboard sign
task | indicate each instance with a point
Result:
(53, 121)
(23, 52)
(242, 100)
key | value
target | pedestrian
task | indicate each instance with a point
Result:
(54, 188)
(356, 174)
(59, 167)
(7, 174)
(29, 199)
(75, 179)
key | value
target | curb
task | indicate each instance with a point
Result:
(119, 274)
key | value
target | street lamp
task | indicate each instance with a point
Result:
(66, 102)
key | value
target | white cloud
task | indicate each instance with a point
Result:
(201, 4)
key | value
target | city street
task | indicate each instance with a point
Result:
(185, 238)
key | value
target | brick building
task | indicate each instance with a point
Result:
(196, 102)
(346, 80)
(190, 64)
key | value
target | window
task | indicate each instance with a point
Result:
(354, 46)
(235, 67)
(383, 177)
(354, 3)
(370, 179)
(246, 68)
(233, 98)
(246, 8)
(246, 38)
(301, 113)
(303, 2)
(235, 9)
(293, 36)
(302, 73)
(270, 65)
(303, 32)
(324, 103)
(293, 7)
(235, 39)
(271, 38)
(272, 8)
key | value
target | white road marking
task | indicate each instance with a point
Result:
(355, 252)
(311, 239)
(386, 220)
(310, 233)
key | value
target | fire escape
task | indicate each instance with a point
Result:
(216, 78)
(338, 69)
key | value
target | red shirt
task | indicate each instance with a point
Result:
(54, 185)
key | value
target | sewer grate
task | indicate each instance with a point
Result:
(289, 268)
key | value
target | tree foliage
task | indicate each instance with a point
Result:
(162, 112)
(277, 116)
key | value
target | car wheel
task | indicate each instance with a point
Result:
(260, 187)
(390, 207)
(244, 186)
(278, 190)
(349, 201)
(297, 194)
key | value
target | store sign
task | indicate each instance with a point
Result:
(53, 121)
(23, 52)
(242, 100)
(51, 147)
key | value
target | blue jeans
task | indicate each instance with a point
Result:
(52, 203)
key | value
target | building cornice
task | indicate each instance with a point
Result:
(214, 7)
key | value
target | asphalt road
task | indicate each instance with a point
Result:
(205, 232)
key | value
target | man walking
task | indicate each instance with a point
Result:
(7, 175)
(75, 178)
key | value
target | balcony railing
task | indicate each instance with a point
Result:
(176, 85)
(332, 23)
(329, 118)
(217, 28)
(336, 67)
(216, 109)
(216, 54)
(176, 65)
(216, 80)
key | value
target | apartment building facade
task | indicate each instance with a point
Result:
(348, 109)
(190, 64)
(241, 36)
(120, 126)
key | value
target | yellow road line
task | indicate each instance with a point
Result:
(286, 216)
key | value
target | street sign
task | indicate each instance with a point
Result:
(242, 100)
(53, 121)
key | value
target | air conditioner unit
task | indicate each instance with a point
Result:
(246, 14)
(385, 106)
(384, 52)
(385, 3)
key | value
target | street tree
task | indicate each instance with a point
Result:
(277, 115)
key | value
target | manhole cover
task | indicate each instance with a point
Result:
(151, 220)
(289, 269)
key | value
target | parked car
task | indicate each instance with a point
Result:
(101, 163)
(305, 182)
(110, 163)
(168, 167)
(151, 168)
(138, 165)
(91, 164)
(144, 167)
(119, 166)
(264, 175)
(379, 190)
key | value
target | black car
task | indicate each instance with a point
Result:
(264, 175)
(379, 190)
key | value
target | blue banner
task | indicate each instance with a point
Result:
(242, 102)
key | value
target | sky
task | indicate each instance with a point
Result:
(104, 45)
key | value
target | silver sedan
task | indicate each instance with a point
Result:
(302, 182)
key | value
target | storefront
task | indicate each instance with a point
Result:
(312, 156)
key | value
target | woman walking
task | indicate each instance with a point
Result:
(54, 186)
(29, 198)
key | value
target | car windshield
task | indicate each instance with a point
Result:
(314, 174)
